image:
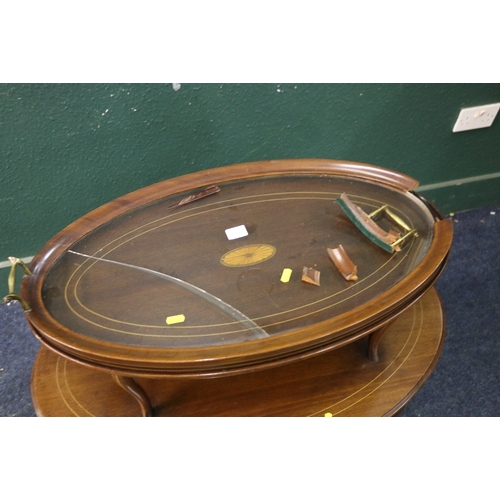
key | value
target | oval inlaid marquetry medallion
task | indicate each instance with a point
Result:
(248, 255)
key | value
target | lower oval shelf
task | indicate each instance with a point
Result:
(342, 382)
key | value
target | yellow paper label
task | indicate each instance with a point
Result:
(285, 275)
(172, 320)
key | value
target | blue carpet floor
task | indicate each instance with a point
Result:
(465, 382)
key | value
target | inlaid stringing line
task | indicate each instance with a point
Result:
(68, 388)
(211, 326)
(398, 368)
(223, 324)
(330, 197)
(70, 408)
(241, 318)
(396, 357)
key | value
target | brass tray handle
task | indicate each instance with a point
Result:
(407, 230)
(12, 282)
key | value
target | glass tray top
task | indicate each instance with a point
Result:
(163, 277)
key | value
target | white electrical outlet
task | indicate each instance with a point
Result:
(476, 117)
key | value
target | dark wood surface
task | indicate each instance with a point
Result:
(113, 318)
(342, 382)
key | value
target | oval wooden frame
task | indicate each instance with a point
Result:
(234, 358)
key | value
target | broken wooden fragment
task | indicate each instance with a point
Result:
(197, 196)
(386, 240)
(343, 263)
(310, 275)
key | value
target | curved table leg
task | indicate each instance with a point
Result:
(134, 389)
(374, 341)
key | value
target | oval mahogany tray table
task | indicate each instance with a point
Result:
(216, 293)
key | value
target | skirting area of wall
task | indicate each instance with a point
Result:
(463, 194)
(6, 263)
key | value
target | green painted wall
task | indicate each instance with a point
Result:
(66, 149)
